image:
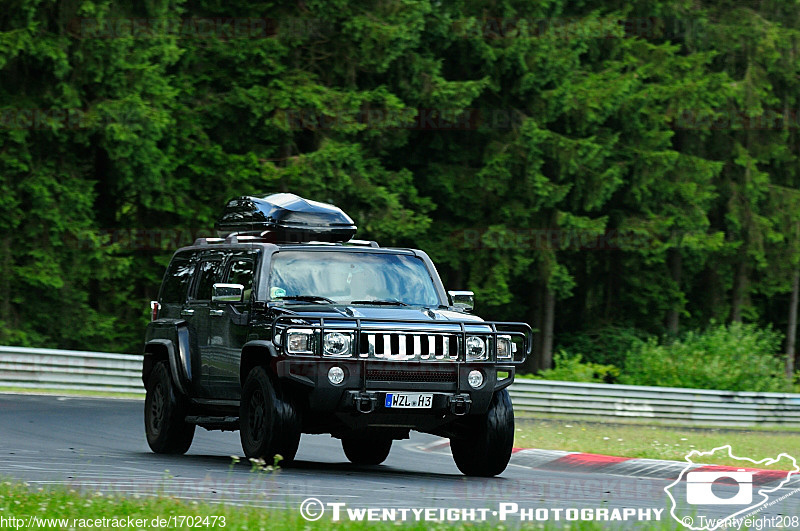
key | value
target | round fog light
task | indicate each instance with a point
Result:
(336, 375)
(475, 379)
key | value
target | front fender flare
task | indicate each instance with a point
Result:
(254, 353)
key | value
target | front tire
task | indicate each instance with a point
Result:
(362, 450)
(164, 415)
(269, 422)
(484, 448)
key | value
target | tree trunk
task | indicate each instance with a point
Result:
(612, 286)
(581, 298)
(532, 363)
(713, 302)
(457, 279)
(675, 260)
(740, 279)
(791, 329)
(286, 153)
(546, 357)
(675, 268)
(739, 284)
(5, 283)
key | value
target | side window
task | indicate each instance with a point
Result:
(177, 280)
(241, 272)
(210, 273)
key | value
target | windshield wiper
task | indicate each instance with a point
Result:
(379, 302)
(307, 298)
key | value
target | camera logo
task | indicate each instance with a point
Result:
(699, 487)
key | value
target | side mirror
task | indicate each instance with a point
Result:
(462, 300)
(227, 292)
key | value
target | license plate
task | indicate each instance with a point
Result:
(409, 400)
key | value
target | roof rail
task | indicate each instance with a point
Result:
(237, 237)
(363, 243)
(265, 236)
(207, 241)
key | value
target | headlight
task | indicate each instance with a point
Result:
(476, 349)
(300, 342)
(505, 348)
(336, 344)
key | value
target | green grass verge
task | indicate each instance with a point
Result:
(20, 501)
(655, 442)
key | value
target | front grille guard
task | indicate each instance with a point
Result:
(359, 325)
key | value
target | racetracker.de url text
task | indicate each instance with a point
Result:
(123, 522)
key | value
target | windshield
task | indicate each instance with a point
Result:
(344, 277)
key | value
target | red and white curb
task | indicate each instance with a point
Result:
(561, 461)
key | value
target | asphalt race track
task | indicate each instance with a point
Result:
(99, 445)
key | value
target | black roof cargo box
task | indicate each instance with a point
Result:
(286, 217)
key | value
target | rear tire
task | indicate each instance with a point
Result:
(164, 415)
(363, 450)
(269, 422)
(484, 449)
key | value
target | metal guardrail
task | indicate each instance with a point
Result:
(36, 368)
(667, 405)
(40, 368)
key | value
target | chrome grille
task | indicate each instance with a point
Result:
(403, 346)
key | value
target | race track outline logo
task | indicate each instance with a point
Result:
(699, 491)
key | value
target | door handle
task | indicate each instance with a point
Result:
(187, 313)
(216, 313)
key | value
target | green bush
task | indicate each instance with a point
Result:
(571, 368)
(737, 357)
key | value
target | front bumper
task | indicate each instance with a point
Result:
(366, 383)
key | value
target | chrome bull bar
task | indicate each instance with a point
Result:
(383, 339)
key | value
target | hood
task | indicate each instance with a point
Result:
(399, 313)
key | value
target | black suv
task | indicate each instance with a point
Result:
(286, 326)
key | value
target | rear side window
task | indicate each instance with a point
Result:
(209, 274)
(177, 280)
